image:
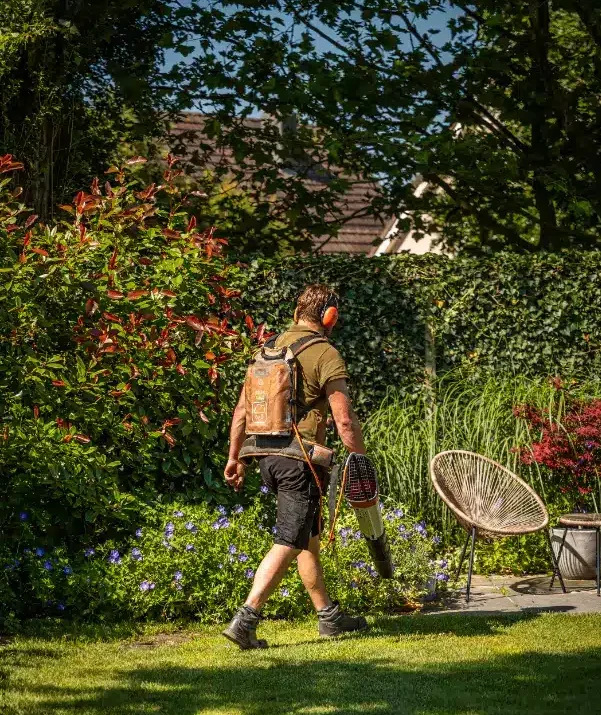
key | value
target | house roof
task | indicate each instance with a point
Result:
(358, 231)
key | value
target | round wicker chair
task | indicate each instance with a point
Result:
(488, 500)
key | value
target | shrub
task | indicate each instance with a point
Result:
(568, 445)
(117, 324)
(197, 561)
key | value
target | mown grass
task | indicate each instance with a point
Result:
(477, 415)
(417, 665)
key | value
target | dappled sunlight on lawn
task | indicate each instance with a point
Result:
(413, 665)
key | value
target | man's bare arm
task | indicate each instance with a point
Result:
(344, 416)
(234, 470)
(238, 427)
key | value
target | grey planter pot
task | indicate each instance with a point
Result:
(578, 560)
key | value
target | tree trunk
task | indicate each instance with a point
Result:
(543, 92)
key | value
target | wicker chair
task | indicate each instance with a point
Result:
(488, 501)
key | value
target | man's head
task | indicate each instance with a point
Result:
(317, 305)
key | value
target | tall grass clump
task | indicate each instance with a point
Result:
(405, 432)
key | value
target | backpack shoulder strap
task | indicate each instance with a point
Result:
(305, 342)
(271, 342)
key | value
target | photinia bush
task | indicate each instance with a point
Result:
(198, 561)
(117, 322)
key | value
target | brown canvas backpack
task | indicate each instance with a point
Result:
(271, 387)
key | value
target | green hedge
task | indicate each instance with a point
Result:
(528, 315)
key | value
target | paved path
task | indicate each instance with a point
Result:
(515, 594)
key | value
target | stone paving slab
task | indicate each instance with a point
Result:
(522, 594)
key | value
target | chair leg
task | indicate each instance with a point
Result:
(556, 571)
(598, 554)
(471, 565)
(458, 573)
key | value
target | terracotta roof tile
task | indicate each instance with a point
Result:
(358, 231)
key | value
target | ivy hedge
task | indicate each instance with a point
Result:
(512, 314)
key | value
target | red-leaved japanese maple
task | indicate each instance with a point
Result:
(570, 447)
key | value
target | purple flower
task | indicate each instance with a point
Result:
(48, 565)
(26, 551)
(219, 566)
(11, 567)
(249, 573)
(371, 571)
(221, 523)
(389, 516)
(399, 513)
(443, 564)
(274, 530)
(114, 557)
(177, 576)
(189, 547)
(23, 516)
(357, 535)
(39, 551)
(284, 592)
(232, 549)
(61, 606)
(354, 584)
(89, 552)
(178, 513)
(442, 576)
(139, 533)
(436, 540)
(242, 558)
(421, 529)
(191, 527)
(401, 528)
(67, 570)
(264, 489)
(222, 510)
(238, 509)
(179, 587)
(166, 544)
(146, 586)
(169, 529)
(136, 555)
(358, 564)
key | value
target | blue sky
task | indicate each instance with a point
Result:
(436, 21)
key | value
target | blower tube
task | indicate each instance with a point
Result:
(361, 492)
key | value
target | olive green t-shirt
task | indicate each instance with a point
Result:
(318, 364)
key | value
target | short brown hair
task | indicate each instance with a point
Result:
(312, 301)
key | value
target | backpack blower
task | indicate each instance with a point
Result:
(360, 487)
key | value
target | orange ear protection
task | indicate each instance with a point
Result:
(329, 312)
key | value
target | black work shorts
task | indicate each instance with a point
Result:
(298, 514)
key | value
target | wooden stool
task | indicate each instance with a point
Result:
(592, 521)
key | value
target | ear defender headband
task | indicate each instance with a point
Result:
(329, 312)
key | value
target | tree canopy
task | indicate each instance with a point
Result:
(495, 104)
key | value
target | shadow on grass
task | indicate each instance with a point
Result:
(533, 683)
(270, 682)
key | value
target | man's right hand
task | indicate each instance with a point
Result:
(234, 474)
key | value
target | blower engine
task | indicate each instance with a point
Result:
(361, 491)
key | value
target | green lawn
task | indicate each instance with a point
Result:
(419, 665)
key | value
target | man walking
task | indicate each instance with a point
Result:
(322, 381)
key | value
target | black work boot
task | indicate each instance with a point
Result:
(243, 629)
(333, 622)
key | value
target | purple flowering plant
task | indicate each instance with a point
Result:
(167, 569)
